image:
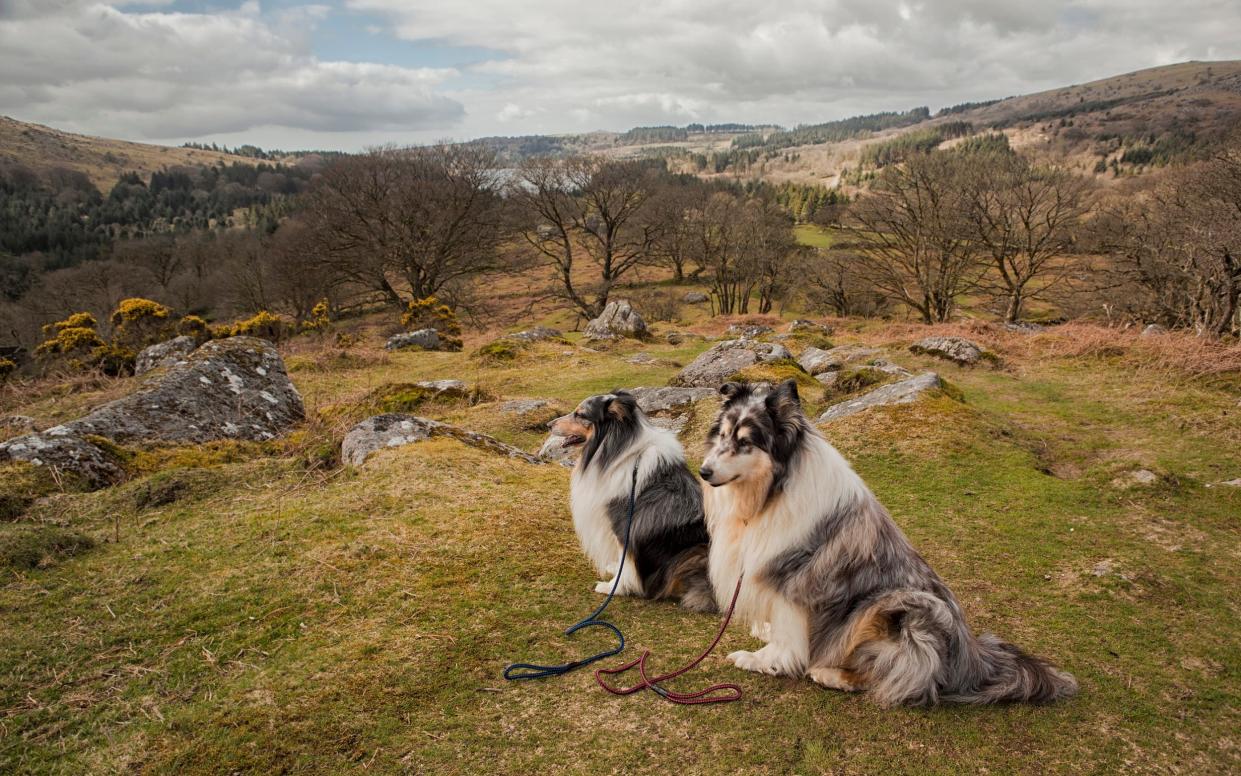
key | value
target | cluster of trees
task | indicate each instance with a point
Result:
(833, 131)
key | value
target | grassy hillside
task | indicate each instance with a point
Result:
(102, 160)
(242, 611)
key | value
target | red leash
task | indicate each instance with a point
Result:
(709, 695)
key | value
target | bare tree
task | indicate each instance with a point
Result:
(832, 281)
(1177, 253)
(591, 207)
(911, 235)
(409, 222)
(1022, 218)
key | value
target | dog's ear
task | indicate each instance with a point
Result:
(622, 406)
(733, 391)
(785, 394)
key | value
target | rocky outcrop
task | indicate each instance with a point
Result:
(695, 297)
(446, 389)
(235, 388)
(17, 423)
(956, 349)
(164, 354)
(654, 401)
(427, 339)
(713, 367)
(537, 334)
(394, 430)
(748, 330)
(816, 361)
(906, 391)
(887, 367)
(617, 320)
(522, 406)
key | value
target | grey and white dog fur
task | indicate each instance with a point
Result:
(830, 582)
(668, 540)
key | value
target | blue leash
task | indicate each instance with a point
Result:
(534, 671)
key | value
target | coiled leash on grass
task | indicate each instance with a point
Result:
(533, 670)
(709, 695)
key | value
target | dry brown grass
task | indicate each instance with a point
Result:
(1175, 352)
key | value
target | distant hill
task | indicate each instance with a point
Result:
(104, 161)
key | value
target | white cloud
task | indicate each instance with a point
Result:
(92, 67)
(567, 66)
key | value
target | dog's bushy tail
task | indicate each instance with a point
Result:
(688, 581)
(1007, 674)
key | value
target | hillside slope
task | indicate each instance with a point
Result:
(103, 160)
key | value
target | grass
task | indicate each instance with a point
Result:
(240, 612)
(813, 235)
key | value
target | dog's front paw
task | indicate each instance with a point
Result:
(603, 587)
(748, 661)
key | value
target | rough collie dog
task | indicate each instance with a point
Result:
(668, 540)
(831, 583)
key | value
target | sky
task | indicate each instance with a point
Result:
(348, 74)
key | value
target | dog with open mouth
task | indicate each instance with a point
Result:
(830, 582)
(668, 541)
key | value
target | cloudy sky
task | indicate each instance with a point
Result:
(352, 73)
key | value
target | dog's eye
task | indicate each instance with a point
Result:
(744, 444)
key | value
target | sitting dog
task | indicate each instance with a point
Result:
(831, 583)
(668, 540)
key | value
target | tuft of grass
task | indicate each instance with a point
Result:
(499, 350)
(40, 546)
(21, 484)
(775, 372)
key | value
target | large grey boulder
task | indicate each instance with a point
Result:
(816, 361)
(906, 391)
(394, 430)
(617, 320)
(446, 389)
(695, 297)
(748, 330)
(713, 367)
(427, 339)
(234, 388)
(164, 354)
(955, 349)
(654, 401)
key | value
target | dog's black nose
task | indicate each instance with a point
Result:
(705, 473)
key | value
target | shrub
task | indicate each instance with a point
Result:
(73, 340)
(428, 313)
(263, 325)
(193, 326)
(319, 319)
(7, 369)
(139, 322)
(113, 360)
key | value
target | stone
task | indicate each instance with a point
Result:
(956, 349)
(654, 401)
(394, 430)
(674, 423)
(1139, 478)
(887, 367)
(1153, 329)
(713, 367)
(678, 337)
(445, 389)
(65, 451)
(522, 406)
(641, 358)
(816, 361)
(165, 353)
(695, 297)
(748, 331)
(1234, 483)
(906, 391)
(1102, 568)
(828, 379)
(617, 320)
(537, 334)
(803, 325)
(427, 339)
